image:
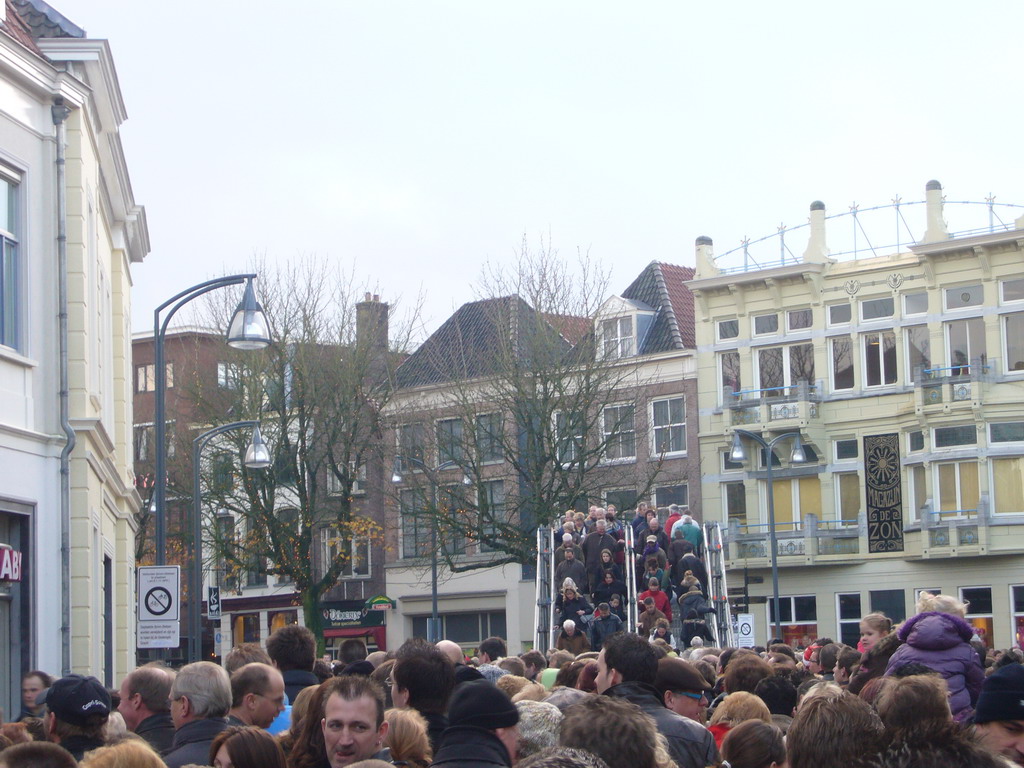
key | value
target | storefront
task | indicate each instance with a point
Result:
(365, 620)
(15, 624)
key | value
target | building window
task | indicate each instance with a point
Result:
(412, 441)
(145, 377)
(918, 489)
(353, 551)
(839, 314)
(622, 498)
(145, 439)
(735, 496)
(766, 324)
(729, 365)
(10, 262)
(956, 484)
(668, 418)
(1012, 290)
(467, 629)
(488, 438)
(357, 475)
(1007, 432)
(246, 628)
(848, 497)
(728, 329)
(1017, 596)
(226, 545)
(568, 437)
(849, 612)
(842, 363)
(954, 437)
(671, 494)
(891, 602)
(919, 355)
(1008, 485)
(222, 473)
(846, 450)
(619, 432)
(491, 507)
(728, 464)
(963, 297)
(415, 523)
(877, 309)
(229, 375)
(794, 498)
(617, 337)
(915, 441)
(780, 367)
(879, 358)
(1013, 335)
(798, 319)
(915, 303)
(449, 441)
(965, 345)
(798, 617)
(979, 612)
(453, 505)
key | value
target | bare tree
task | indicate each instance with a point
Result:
(318, 391)
(526, 403)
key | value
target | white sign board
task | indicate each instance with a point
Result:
(745, 630)
(159, 606)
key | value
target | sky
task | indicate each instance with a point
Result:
(411, 143)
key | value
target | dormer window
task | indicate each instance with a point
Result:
(617, 337)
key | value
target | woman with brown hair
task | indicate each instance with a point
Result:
(754, 744)
(130, 753)
(246, 747)
(407, 738)
(736, 708)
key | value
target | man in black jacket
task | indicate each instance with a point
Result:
(292, 649)
(200, 700)
(144, 706)
(482, 731)
(423, 678)
(627, 668)
(77, 709)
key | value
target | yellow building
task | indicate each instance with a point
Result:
(903, 375)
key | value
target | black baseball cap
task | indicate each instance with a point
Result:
(77, 700)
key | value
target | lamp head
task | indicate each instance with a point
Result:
(257, 455)
(737, 453)
(798, 456)
(249, 329)
(396, 471)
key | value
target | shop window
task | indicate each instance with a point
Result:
(278, 619)
(979, 612)
(464, 628)
(1017, 596)
(849, 612)
(799, 619)
(891, 602)
(245, 628)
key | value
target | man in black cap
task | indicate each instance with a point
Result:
(999, 715)
(482, 730)
(77, 709)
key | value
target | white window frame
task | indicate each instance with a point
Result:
(835, 449)
(865, 353)
(1016, 616)
(838, 501)
(405, 464)
(840, 621)
(1002, 292)
(797, 524)
(969, 307)
(1004, 341)
(990, 642)
(956, 513)
(618, 345)
(497, 439)
(832, 362)
(655, 453)
(457, 450)
(830, 323)
(10, 248)
(753, 325)
(957, 447)
(575, 442)
(228, 375)
(880, 318)
(718, 329)
(907, 312)
(787, 367)
(912, 488)
(1004, 442)
(907, 362)
(789, 318)
(358, 476)
(718, 365)
(947, 326)
(725, 453)
(924, 440)
(793, 622)
(487, 484)
(329, 541)
(609, 437)
(995, 489)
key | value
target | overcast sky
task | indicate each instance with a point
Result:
(421, 139)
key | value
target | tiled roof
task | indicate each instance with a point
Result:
(17, 28)
(471, 343)
(661, 286)
(44, 21)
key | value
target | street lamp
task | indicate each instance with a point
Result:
(248, 330)
(434, 629)
(739, 454)
(257, 456)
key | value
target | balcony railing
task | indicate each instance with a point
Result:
(772, 405)
(951, 384)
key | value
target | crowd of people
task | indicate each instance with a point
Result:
(923, 693)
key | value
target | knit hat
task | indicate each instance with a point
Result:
(538, 726)
(1002, 695)
(480, 703)
(491, 671)
(77, 700)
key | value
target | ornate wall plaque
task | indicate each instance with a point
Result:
(883, 493)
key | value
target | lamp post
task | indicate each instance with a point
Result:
(248, 330)
(257, 456)
(434, 629)
(739, 453)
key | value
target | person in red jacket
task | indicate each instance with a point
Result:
(661, 600)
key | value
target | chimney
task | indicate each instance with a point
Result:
(705, 258)
(817, 250)
(372, 321)
(936, 229)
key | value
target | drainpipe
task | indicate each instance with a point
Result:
(60, 113)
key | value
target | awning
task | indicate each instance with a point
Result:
(379, 634)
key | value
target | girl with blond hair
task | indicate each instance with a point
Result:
(407, 738)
